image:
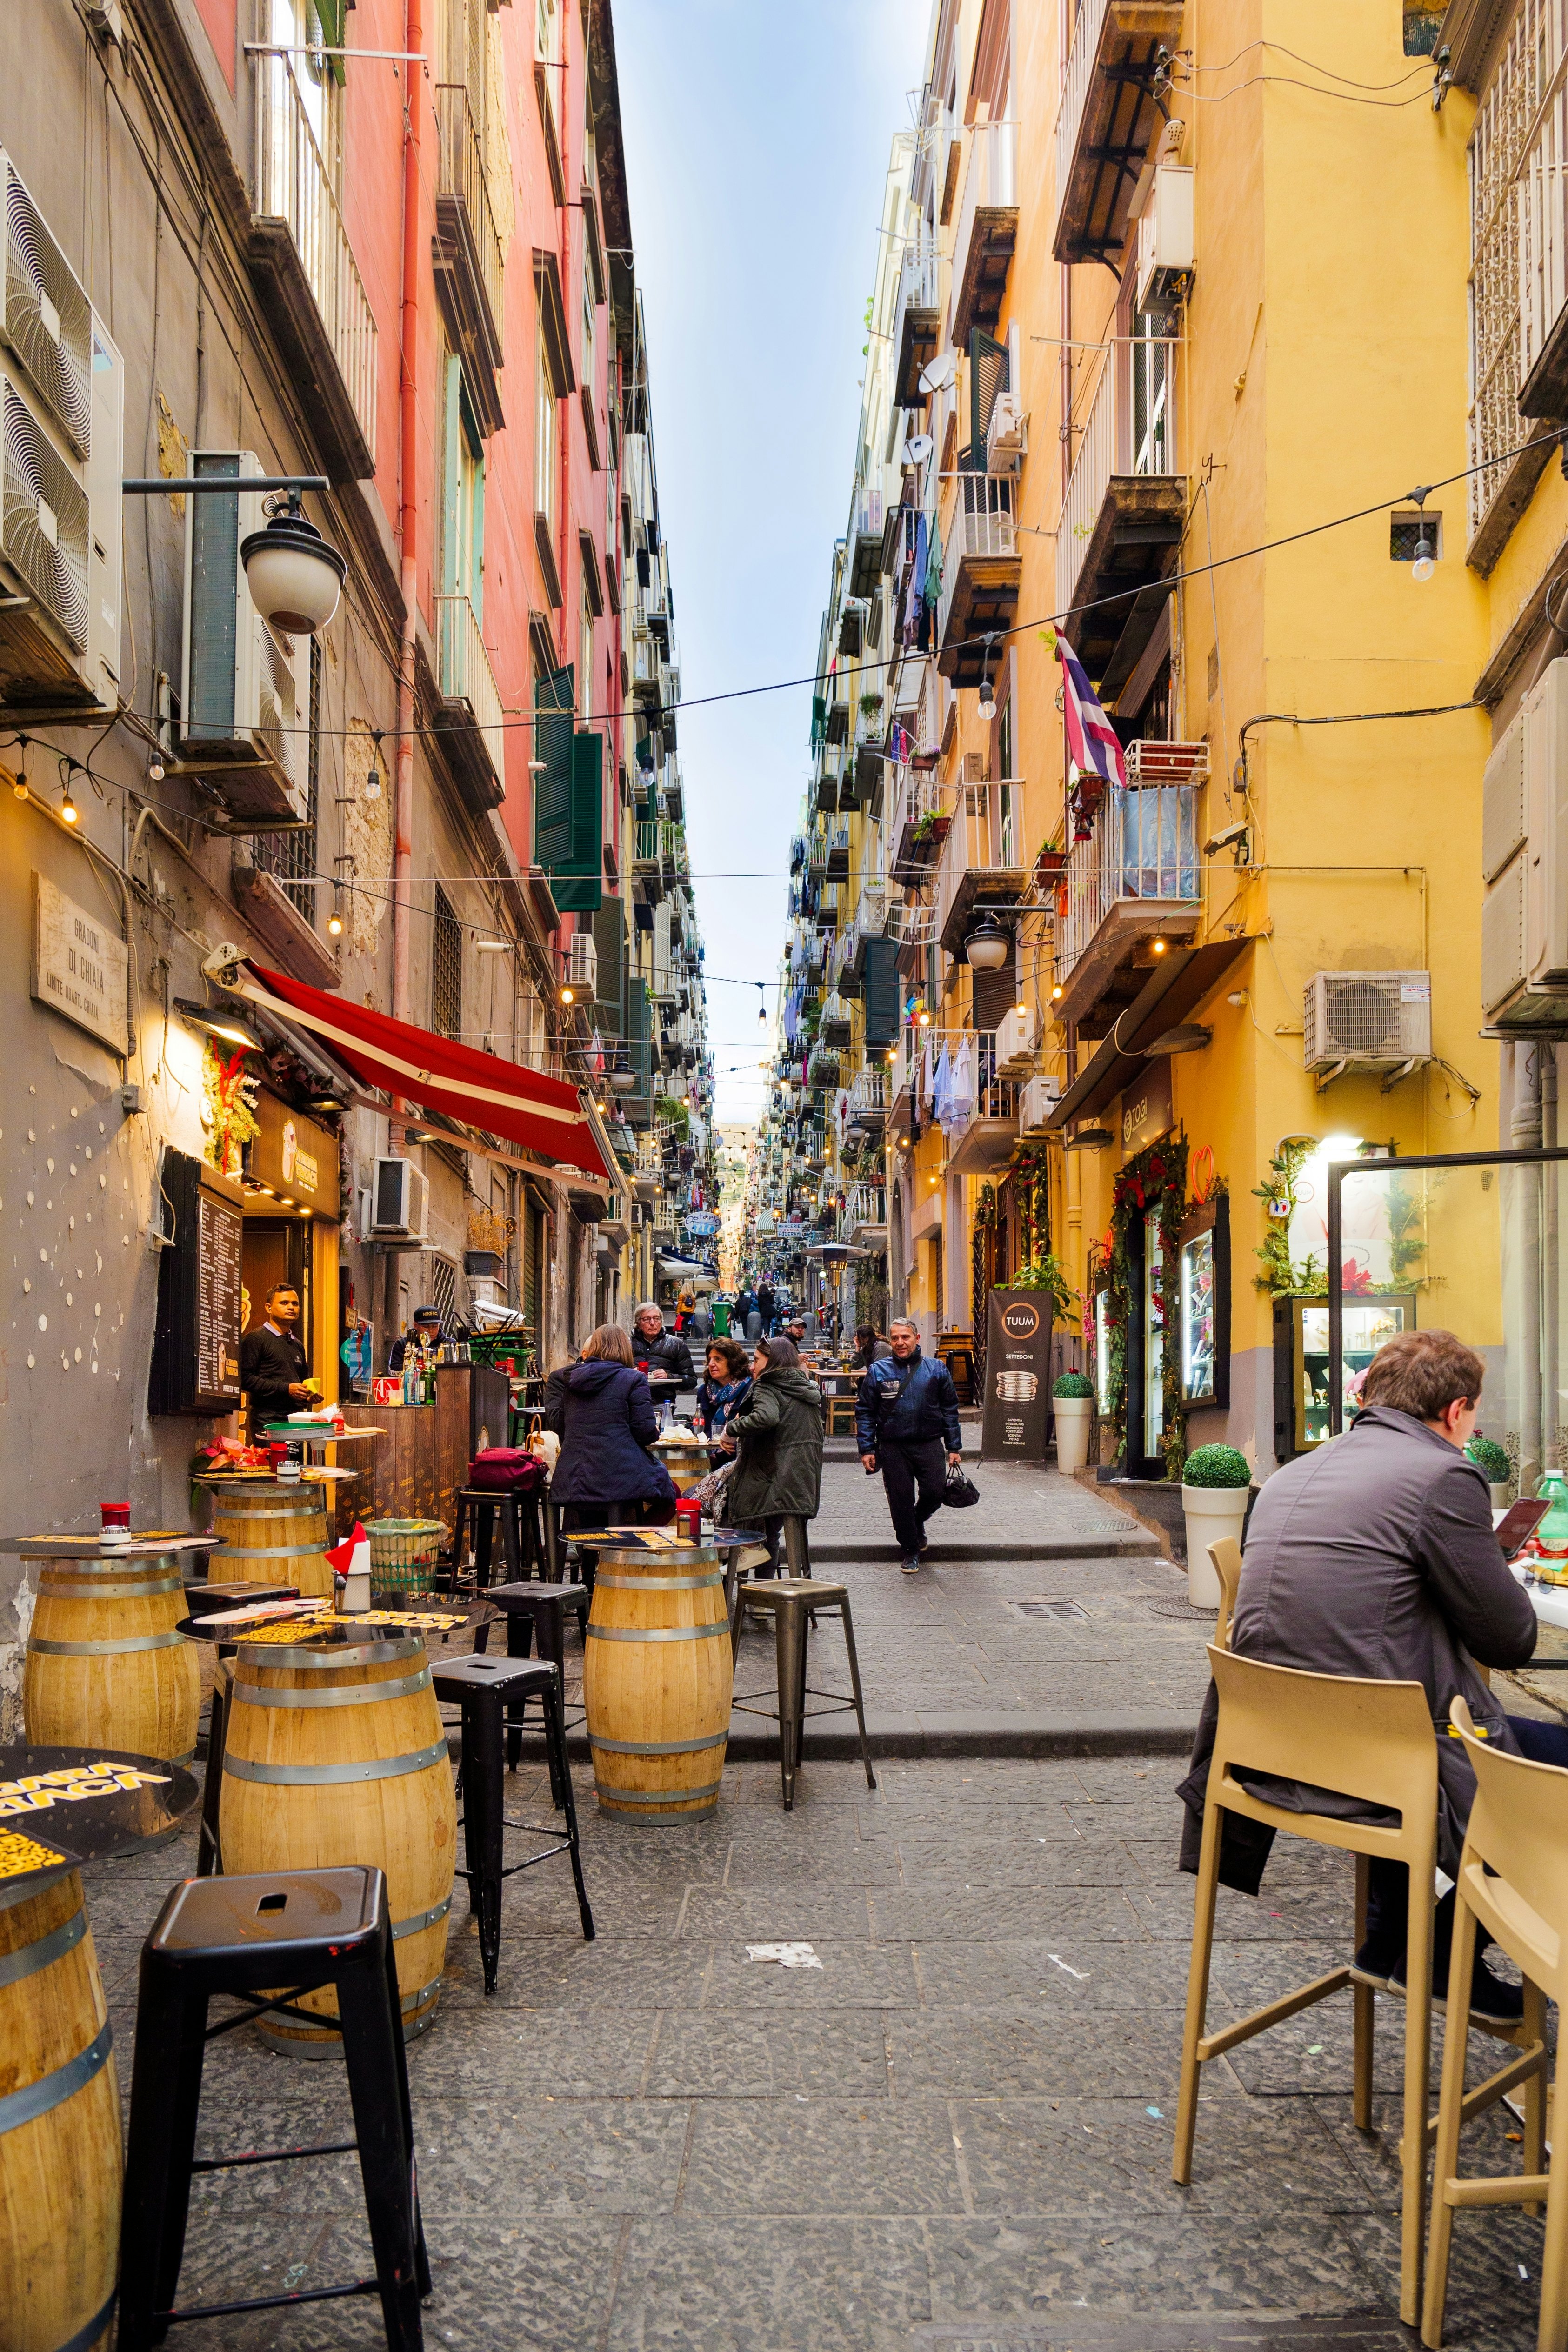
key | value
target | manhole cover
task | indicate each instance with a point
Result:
(1064, 1611)
(1172, 2332)
(1182, 1609)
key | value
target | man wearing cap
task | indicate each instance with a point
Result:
(426, 1334)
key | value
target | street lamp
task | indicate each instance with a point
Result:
(987, 945)
(295, 576)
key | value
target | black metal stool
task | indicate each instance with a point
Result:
(792, 1600)
(487, 1689)
(209, 1848)
(519, 1516)
(239, 1936)
(534, 1614)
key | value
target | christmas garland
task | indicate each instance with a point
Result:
(228, 1108)
(1156, 1179)
(982, 1265)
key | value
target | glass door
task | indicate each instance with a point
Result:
(1154, 1338)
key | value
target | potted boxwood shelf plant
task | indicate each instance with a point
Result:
(1073, 1402)
(1216, 1481)
(1490, 1456)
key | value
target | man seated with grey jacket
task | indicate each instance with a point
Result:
(1374, 1557)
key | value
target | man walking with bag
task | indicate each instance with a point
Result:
(907, 1426)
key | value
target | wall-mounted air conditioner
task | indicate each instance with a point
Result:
(1018, 1033)
(62, 406)
(1007, 435)
(1524, 863)
(399, 1202)
(1374, 1019)
(244, 688)
(1037, 1100)
(582, 963)
(1166, 238)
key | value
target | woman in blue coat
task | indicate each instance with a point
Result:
(605, 1476)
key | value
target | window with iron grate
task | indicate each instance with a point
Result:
(446, 969)
(290, 857)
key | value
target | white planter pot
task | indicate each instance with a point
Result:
(1211, 1514)
(1500, 1496)
(1073, 1415)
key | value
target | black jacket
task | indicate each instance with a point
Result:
(780, 1430)
(268, 1362)
(907, 1404)
(667, 1353)
(608, 1422)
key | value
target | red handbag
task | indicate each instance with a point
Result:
(506, 1470)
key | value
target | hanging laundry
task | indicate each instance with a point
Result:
(961, 1088)
(942, 1089)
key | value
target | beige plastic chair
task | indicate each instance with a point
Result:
(1226, 1556)
(1371, 1740)
(1518, 1831)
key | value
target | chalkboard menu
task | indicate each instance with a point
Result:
(195, 1346)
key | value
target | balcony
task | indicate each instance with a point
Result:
(1124, 514)
(917, 321)
(467, 255)
(987, 229)
(981, 569)
(306, 279)
(1109, 112)
(866, 546)
(862, 1220)
(1136, 879)
(869, 1100)
(981, 861)
(469, 721)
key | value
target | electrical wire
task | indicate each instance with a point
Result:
(1417, 65)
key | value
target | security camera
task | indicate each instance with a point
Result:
(1229, 837)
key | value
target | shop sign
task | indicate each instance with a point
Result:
(294, 1155)
(1147, 1110)
(1018, 1375)
(79, 968)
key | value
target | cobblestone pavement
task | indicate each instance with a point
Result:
(962, 2115)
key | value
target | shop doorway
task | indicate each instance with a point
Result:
(1145, 1352)
(275, 1250)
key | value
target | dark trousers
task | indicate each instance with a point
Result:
(1387, 1888)
(915, 1478)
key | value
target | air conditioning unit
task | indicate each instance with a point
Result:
(399, 1202)
(244, 688)
(1166, 241)
(62, 407)
(1038, 1099)
(582, 963)
(1007, 435)
(1376, 1019)
(1018, 1033)
(1524, 863)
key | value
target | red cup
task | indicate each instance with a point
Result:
(689, 1517)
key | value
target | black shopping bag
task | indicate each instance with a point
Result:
(961, 1492)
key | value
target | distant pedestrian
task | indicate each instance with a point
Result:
(699, 1323)
(907, 1426)
(767, 1307)
(778, 1432)
(683, 1306)
(747, 1313)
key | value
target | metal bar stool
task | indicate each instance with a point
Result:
(488, 1690)
(792, 1600)
(238, 1936)
(535, 1616)
(520, 1548)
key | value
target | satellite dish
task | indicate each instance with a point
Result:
(939, 374)
(916, 451)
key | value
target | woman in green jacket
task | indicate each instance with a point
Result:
(778, 1431)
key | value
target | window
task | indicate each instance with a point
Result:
(1406, 531)
(463, 502)
(544, 429)
(445, 970)
(291, 856)
(547, 30)
(585, 657)
(586, 367)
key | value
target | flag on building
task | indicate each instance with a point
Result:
(900, 744)
(1092, 744)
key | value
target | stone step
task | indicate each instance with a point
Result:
(1039, 1732)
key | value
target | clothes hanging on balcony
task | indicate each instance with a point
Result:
(941, 1089)
(960, 1089)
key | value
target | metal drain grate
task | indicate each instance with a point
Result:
(1172, 2332)
(1065, 1612)
(1184, 1609)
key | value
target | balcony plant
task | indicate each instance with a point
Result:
(1491, 1457)
(1072, 1402)
(1216, 1482)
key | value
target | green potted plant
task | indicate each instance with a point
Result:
(1072, 1402)
(1216, 1481)
(1490, 1456)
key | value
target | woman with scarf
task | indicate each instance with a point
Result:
(726, 1384)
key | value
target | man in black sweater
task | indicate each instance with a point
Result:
(662, 1352)
(272, 1363)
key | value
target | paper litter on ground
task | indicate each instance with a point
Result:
(789, 1956)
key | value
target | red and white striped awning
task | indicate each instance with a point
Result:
(538, 1113)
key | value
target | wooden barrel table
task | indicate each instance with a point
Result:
(334, 1754)
(106, 1665)
(657, 1678)
(59, 2121)
(273, 1532)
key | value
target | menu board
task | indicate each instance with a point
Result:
(1017, 1406)
(219, 1235)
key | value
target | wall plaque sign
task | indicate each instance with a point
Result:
(80, 970)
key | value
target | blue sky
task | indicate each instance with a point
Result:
(758, 143)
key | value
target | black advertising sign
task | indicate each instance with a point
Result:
(195, 1342)
(1016, 1411)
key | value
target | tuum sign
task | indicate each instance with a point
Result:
(1017, 1376)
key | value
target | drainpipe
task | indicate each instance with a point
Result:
(408, 515)
(1549, 1257)
(1525, 1219)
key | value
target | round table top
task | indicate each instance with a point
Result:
(1550, 1601)
(92, 1547)
(264, 1482)
(316, 1436)
(62, 1806)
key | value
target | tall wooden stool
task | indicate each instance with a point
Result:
(1513, 1882)
(1378, 1739)
(792, 1600)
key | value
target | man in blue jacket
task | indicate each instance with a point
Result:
(906, 1425)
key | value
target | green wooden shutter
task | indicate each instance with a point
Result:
(988, 376)
(576, 884)
(330, 15)
(553, 699)
(609, 991)
(638, 1106)
(881, 992)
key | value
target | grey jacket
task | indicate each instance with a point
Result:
(1374, 1557)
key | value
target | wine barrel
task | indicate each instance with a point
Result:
(334, 1754)
(274, 1534)
(59, 2126)
(657, 1679)
(106, 1665)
